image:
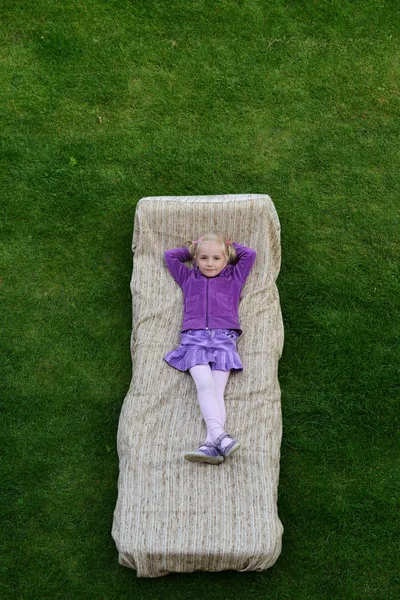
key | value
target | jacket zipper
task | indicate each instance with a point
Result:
(207, 305)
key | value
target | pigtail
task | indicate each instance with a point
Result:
(230, 249)
(191, 247)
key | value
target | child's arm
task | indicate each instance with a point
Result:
(246, 258)
(175, 260)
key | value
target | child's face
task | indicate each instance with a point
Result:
(211, 258)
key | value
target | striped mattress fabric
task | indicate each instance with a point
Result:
(172, 515)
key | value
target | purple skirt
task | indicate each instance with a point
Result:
(216, 347)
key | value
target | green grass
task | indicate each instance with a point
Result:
(104, 102)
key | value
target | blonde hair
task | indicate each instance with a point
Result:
(229, 250)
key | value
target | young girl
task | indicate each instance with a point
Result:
(210, 328)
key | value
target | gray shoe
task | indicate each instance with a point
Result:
(206, 452)
(230, 448)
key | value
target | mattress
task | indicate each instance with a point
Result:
(172, 515)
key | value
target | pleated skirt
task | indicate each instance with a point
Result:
(216, 347)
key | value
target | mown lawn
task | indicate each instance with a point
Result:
(104, 102)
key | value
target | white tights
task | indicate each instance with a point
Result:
(210, 391)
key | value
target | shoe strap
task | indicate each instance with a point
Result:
(206, 445)
(225, 450)
(221, 437)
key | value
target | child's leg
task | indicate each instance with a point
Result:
(208, 400)
(220, 380)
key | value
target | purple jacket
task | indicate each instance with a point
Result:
(210, 302)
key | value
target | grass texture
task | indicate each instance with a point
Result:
(104, 102)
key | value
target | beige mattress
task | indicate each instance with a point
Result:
(172, 515)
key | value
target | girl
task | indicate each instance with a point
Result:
(210, 328)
